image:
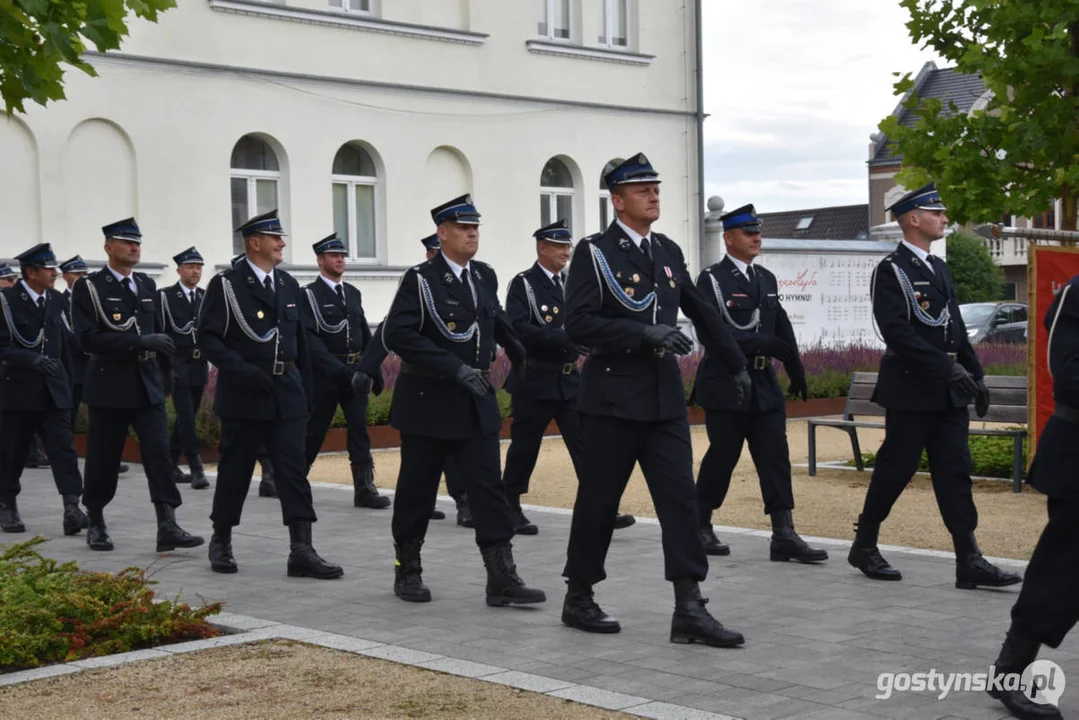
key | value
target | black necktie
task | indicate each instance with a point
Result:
(41, 301)
(645, 248)
(467, 280)
(749, 272)
(191, 297)
(558, 284)
(340, 292)
(268, 283)
(130, 285)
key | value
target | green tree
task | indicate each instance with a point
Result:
(1021, 152)
(977, 278)
(38, 36)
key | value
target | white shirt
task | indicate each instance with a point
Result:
(123, 279)
(262, 274)
(742, 267)
(190, 293)
(550, 275)
(457, 270)
(33, 295)
(333, 285)
(918, 252)
(635, 236)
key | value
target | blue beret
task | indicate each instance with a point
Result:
(431, 242)
(330, 244)
(635, 170)
(6, 271)
(459, 210)
(123, 230)
(266, 224)
(74, 265)
(556, 232)
(925, 198)
(191, 255)
(744, 218)
(40, 255)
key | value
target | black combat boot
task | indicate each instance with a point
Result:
(221, 559)
(364, 492)
(178, 475)
(712, 544)
(504, 585)
(579, 610)
(199, 481)
(693, 623)
(623, 521)
(408, 573)
(170, 535)
(267, 487)
(1019, 651)
(122, 468)
(521, 524)
(864, 554)
(787, 545)
(10, 522)
(75, 519)
(464, 512)
(972, 570)
(437, 514)
(36, 458)
(303, 561)
(97, 536)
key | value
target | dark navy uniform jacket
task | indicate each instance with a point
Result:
(79, 359)
(109, 322)
(610, 301)
(907, 298)
(435, 327)
(537, 309)
(1057, 456)
(180, 318)
(27, 332)
(741, 302)
(236, 330)
(337, 332)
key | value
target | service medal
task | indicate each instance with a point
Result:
(672, 283)
(260, 314)
(925, 305)
(555, 309)
(629, 292)
(636, 278)
(543, 308)
(116, 317)
(451, 326)
(548, 318)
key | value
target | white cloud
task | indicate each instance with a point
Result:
(794, 88)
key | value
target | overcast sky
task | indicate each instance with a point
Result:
(794, 88)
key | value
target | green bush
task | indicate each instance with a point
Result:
(990, 457)
(52, 612)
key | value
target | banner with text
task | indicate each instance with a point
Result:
(1049, 268)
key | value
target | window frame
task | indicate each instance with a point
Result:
(351, 182)
(251, 177)
(346, 7)
(550, 10)
(608, 24)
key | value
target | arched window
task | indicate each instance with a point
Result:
(606, 209)
(256, 175)
(355, 180)
(556, 193)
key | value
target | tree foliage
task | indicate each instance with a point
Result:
(977, 278)
(1018, 154)
(38, 37)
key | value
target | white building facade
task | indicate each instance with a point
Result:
(358, 116)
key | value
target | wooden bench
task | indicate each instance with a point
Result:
(1008, 404)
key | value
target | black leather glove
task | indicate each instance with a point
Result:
(47, 366)
(361, 383)
(258, 382)
(798, 387)
(474, 381)
(981, 399)
(158, 342)
(962, 380)
(377, 383)
(743, 387)
(668, 338)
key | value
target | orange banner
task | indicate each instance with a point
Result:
(1049, 270)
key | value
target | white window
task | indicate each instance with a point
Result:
(256, 175)
(606, 209)
(804, 223)
(363, 6)
(355, 181)
(556, 193)
(554, 19)
(615, 27)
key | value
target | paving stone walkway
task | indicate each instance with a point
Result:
(817, 637)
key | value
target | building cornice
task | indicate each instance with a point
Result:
(350, 21)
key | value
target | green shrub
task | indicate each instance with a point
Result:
(990, 457)
(52, 612)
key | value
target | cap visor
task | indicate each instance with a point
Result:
(933, 206)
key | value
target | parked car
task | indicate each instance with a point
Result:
(999, 322)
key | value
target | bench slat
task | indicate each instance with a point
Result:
(1002, 414)
(860, 392)
(864, 407)
(1008, 397)
(1006, 381)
